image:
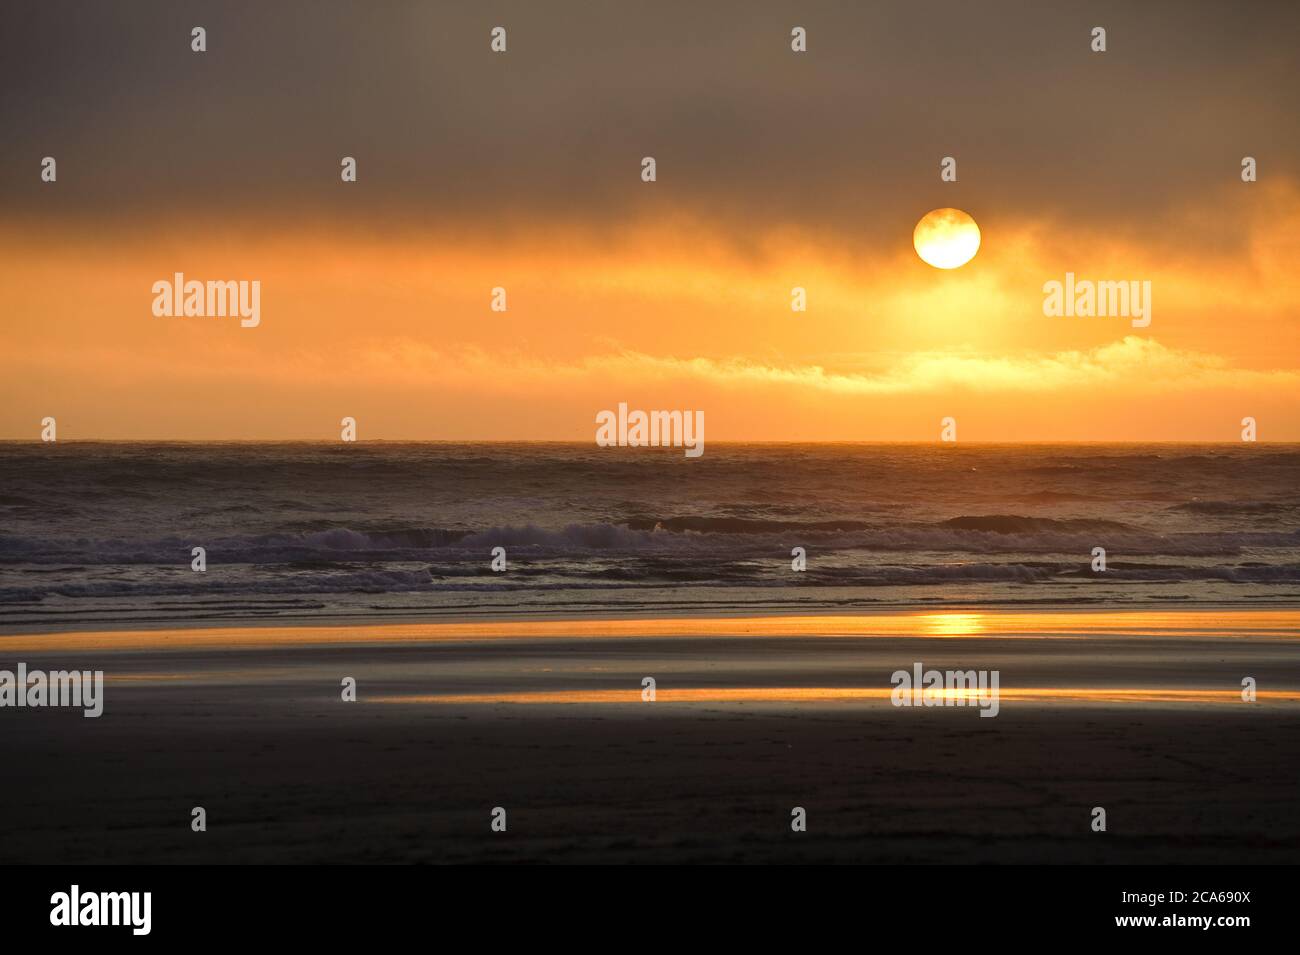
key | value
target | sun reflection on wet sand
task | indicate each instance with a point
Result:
(823, 694)
(952, 624)
(479, 664)
(1151, 624)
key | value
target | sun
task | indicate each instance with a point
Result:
(946, 238)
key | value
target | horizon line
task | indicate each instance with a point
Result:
(588, 442)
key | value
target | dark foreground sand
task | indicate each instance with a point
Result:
(249, 725)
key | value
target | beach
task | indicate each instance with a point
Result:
(357, 654)
(1140, 712)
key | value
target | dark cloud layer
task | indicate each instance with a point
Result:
(846, 137)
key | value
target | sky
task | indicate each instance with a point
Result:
(522, 170)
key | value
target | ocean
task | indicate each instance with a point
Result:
(101, 533)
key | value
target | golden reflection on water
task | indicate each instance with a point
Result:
(1232, 624)
(952, 624)
(823, 694)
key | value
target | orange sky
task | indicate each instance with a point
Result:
(776, 170)
(396, 330)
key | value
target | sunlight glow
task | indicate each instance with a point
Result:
(946, 238)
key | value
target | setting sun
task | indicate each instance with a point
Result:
(946, 238)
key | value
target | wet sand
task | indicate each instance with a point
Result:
(1137, 712)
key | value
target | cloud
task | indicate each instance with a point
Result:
(845, 138)
(1133, 364)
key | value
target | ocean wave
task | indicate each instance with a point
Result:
(1013, 524)
(684, 537)
(772, 575)
(739, 525)
(1231, 507)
